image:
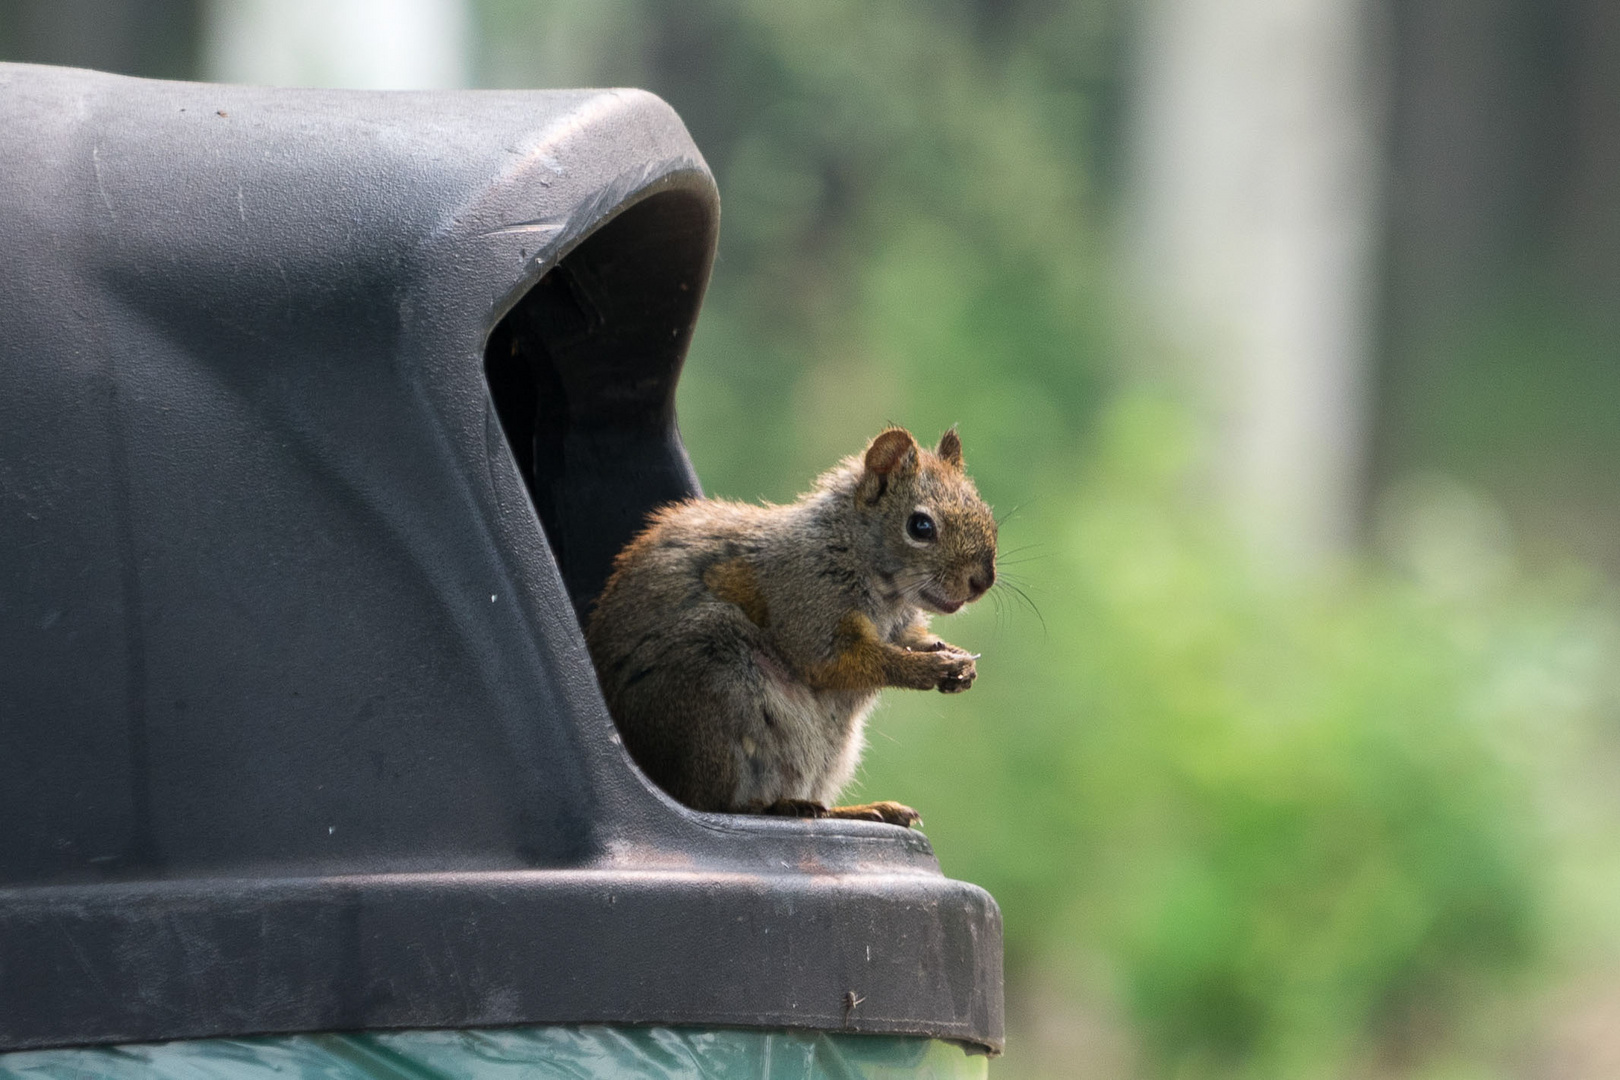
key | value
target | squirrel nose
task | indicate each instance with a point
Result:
(980, 583)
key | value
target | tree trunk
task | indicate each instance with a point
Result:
(1254, 216)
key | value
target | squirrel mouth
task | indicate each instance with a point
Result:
(944, 607)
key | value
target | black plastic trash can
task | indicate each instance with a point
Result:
(322, 414)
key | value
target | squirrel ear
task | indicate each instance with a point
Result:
(894, 451)
(950, 448)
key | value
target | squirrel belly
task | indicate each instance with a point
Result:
(812, 740)
(740, 648)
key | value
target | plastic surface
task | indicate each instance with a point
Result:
(321, 415)
(516, 1054)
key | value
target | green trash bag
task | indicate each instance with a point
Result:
(536, 1053)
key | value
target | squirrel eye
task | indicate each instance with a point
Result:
(921, 527)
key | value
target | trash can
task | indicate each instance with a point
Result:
(322, 415)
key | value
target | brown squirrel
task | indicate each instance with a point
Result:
(740, 647)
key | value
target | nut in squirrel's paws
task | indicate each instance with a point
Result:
(956, 669)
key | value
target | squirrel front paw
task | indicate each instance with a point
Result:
(954, 670)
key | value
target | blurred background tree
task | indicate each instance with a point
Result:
(1286, 337)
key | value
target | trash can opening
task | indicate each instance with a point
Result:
(582, 371)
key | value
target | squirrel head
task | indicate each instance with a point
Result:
(933, 538)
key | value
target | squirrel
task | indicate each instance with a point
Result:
(740, 647)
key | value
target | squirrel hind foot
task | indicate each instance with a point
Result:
(891, 813)
(800, 808)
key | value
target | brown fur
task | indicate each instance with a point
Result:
(740, 647)
(735, 582)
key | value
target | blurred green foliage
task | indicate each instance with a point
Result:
(1258, 827)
